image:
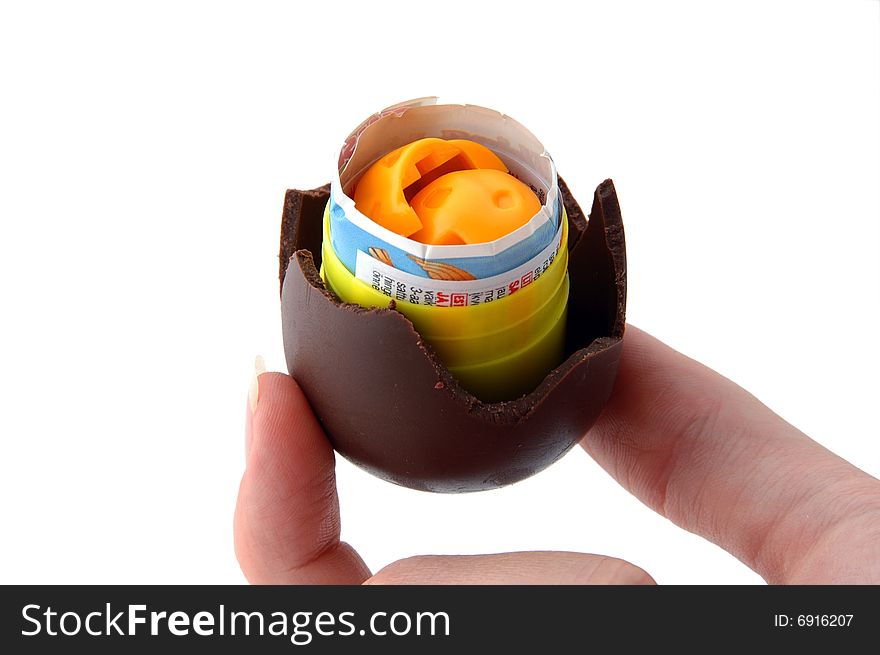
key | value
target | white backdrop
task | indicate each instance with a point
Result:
(144, 153)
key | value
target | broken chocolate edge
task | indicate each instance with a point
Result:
(303, 207)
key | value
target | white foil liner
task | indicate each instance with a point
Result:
(401, 124)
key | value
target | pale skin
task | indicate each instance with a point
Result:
(687, 442)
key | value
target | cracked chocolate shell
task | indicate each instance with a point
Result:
(389, 405)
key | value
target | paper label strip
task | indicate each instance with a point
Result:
(473, 262)
(403, 286)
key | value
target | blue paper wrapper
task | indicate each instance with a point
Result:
(351, 232)
(347, 239)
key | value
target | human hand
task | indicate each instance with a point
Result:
(687, 442)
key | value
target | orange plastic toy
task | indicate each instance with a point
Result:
(445, 192)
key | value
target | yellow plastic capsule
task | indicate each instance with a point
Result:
(498, 350)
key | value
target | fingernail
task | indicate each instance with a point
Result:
(254, 390)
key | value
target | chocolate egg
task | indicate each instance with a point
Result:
(389, 405)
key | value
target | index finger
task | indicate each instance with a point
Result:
(287, 516)
(706, 454)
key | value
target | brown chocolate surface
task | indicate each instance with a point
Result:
(390, 406)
